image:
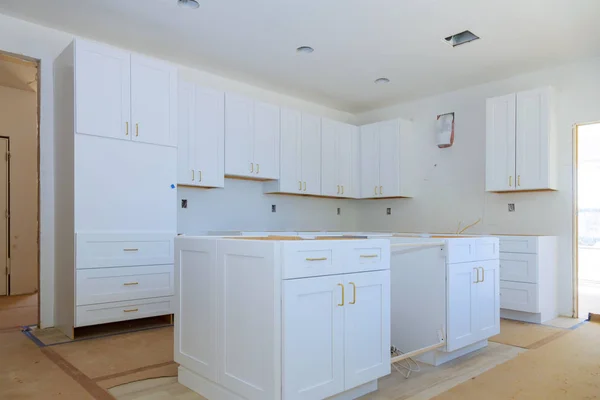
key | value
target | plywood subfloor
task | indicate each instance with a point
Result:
(566, 368)
(18, 311)
(526, 335)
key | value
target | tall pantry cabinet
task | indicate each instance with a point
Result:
(521, 141)
(115, 180)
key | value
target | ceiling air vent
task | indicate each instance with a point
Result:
(461, 38)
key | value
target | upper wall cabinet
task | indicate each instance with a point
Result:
(520, 142)
(124, 96)
(384, 159)
(339, 156)
(201, 138)
(251, 138)
(300, 166)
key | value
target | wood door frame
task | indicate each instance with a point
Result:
(37, 62)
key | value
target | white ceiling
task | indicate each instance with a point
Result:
(355, 41)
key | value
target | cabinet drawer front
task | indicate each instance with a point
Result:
(519, 267)
(306, 262)
(519, 296)
(367, 257)
(104, 285)
(122, 311)
(469, 250)
(122, 250)
(519, 244)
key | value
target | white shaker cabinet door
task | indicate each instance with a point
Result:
(239, 136)
(462, 295)
(185, 152)
(366, 327)
(102, 90)
(330, 184)
(208, 139)
(369, 161)
(313, 338)
(533, 140)
(311, 154)
(290, 179)
(500, 144)
(346, 159)
(153, 101)
(266, 141)
(389, 158)
(487, 304)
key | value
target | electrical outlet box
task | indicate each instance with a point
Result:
(273, 208)
(339, 211)
(388, 211)
(183, 203)
(511, 207)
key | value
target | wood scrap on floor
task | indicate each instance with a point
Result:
(526, 335)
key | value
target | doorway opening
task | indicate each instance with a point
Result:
(588, 219)
(19, 191)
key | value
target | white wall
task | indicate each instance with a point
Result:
(243, 206)
(45, 44)
(451, 182)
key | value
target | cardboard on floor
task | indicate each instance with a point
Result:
(526, 335)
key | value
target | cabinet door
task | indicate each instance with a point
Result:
(266, 141)
(239, 136)
(500, 144)
(208, 139)
(153, 101)
(369, 161)
(345, 159)
(533, 134)
(330, 184)
(389, 158)
(311, 154)
(487, 303)
(290, 178)
(462, 325)
(313, 338)
(366, 327)
(102, 90)
(185, 153)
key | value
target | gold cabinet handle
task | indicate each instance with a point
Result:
(193, 175)
(375, 190)
(510, 181)
(482, 274)
(299, 185)
(477, 272)
(341, 305)
(127, 128)
(317, 259)
(305, 186)
(257, 168)
(137, 130)
(342, 189)
(131, 310)
(338, 189)
(353, 293)
(380, 189)
(518, 180)
(130, 249)
(130, 284)
(200, 178)
(251, 167)
(368, 256)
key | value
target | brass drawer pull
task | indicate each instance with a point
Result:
(257, 168)
(341, 305)
(482, 274)
(137, 130)
(477, 271)
(317, 259)
(126, 128)
(369, 256)
(132, 310)
(130, 249)
(130, 284)
(353, 293)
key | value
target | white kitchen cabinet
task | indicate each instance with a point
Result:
(337, 158)
(521, 142)
(200, 147)
(124, 96)
(474, 303)
(251, 138)
(305, 337)
(313, 358)
(385, 158)
(300, 162)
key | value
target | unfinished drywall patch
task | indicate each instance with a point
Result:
(18, 122)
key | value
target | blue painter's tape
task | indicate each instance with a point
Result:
(172, 186)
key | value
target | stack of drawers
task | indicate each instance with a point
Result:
(123, 276)
(528, 270)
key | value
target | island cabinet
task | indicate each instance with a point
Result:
(264, 318)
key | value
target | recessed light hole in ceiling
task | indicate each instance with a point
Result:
(461, 38)
(382, 80)
(305, 49)
(190, 4)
